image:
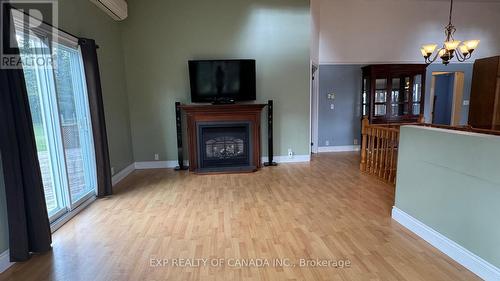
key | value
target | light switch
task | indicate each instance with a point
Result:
(332, 106)
(466, 102)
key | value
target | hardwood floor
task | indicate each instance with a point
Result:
(324, 210)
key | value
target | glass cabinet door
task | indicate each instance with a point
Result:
(365, 97)
(400, 94)
(417, 94)
(380, 99)
(392, 93)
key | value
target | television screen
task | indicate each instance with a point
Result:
(219, 80)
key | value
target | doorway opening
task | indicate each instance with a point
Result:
(447, 89)
(314, 108)
(60, 114)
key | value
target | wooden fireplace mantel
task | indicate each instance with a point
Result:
(223, 113)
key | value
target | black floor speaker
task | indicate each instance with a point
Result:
(180, 150)
(270, 150)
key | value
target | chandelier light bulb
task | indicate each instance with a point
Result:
(429, 48)
(464, 49)
(424, 53)
(451, 45)
(471, 44)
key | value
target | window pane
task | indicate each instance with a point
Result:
(395, 90)
(416, 108)
(381, 84)
(75, 127)
(417, 88)
(380, 109)
(406, 88)
(380, 96)
(39, 89)
(365, 109)
(399, 109)
(395, 96)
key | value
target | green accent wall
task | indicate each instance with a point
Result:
(84, 19)
(450, 181)
(161, 36)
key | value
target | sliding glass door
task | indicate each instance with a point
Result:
(75, 124)
(61, 122)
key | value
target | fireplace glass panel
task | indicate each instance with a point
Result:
(224, 145)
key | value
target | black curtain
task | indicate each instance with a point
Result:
(91, 66)
(29, 228)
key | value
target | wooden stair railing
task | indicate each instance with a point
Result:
(379, 147)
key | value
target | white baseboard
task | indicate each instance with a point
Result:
(122, 174)
(469, 260)
(172, 163)
(338, 148)
(5, 261)
(287, 159)
(158, 164)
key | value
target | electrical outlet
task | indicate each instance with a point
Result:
(290, 153)
(355, 141)
(466, 102)
(327, 143)
(332, 106)
(157, 156)
(112, 170)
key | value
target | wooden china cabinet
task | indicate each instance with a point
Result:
(393, 93)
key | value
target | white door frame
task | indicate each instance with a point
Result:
(314, 107)
(458, 92)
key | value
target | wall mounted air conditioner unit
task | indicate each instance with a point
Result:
(117, 9)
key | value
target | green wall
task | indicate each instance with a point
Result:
(160, 37)
(85, 19)
(450, 181)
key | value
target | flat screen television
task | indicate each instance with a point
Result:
(222, 81)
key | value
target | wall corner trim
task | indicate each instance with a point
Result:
(5, 261)
(469, 260)
(338, 148)
(122, 174)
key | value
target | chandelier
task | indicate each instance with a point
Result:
(450, 46)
